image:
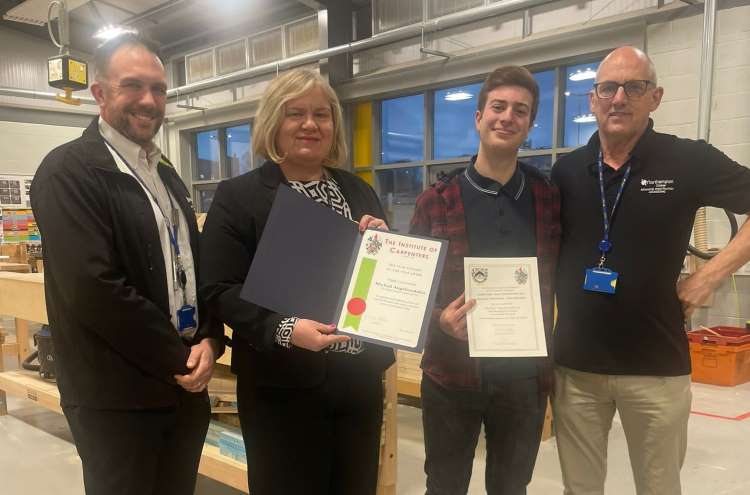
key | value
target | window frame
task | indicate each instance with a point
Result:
(196, 185)
(429, 162)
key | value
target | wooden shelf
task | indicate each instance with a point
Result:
(223, 468)
(28, 385)
(22, 296)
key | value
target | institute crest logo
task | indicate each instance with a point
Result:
(479, 275)
(373, 245)
(521, 276)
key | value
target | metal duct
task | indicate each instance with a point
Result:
(39, 95)
(406, 32)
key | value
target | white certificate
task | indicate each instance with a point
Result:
(392, 287)
(507, 318)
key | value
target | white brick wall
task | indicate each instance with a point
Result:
(730, 132)
(25, 145)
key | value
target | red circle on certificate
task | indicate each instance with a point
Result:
(356, 306)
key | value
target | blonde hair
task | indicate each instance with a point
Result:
(289, 86)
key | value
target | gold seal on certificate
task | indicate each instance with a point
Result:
(507, 319)
(391, 289)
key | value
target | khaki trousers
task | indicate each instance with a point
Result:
(654, 411)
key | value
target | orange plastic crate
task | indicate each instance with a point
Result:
(726, 365)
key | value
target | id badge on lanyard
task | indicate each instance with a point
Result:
(186, 313)
(600, 278)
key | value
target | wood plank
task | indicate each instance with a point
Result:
(389, 446)
(3, 365)
(226, 358)
(15, 267)
(29, 385)
(22, 339)
(409, 387)
(223, 468)
(547, 431)
(22, 296)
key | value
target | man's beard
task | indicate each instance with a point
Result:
(135, 134)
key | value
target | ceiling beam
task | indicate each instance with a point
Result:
(313, 4)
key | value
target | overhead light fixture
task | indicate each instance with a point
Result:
(582, 75)
(111, 31)
(458, 96)
(567, 93)
(586, 118)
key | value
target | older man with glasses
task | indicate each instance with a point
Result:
(629, 198)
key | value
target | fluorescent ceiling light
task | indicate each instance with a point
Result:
(458, 96)
(582, 75)
(586, 118)
(109, 31)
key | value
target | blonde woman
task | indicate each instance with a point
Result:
(310, 402)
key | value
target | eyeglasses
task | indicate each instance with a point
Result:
(633, 89)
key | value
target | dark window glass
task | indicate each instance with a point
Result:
(238, 148)
(580, 123)
(399, 189)
(402, 129)
(542, 162)
(205, 197)
(437, 172)
(207, 164)
(455, 131)
(540, 135)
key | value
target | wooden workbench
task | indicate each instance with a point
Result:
(28, 385)
(22, 296)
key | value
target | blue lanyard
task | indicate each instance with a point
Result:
(173, 223)
(605, 245)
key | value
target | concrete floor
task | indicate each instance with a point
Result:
(37, 456)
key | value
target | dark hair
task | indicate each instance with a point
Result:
(510, 75)
(103, 53)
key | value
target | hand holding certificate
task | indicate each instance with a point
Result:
(378, 286)
(507, 318)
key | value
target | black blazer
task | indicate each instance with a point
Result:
(105, 279)
(233, 228)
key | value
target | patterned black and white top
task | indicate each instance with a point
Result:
(327, 192)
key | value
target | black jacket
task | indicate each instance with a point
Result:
(105, 279)
(231, 234)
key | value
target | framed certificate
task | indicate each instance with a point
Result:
(507, 318)
(314, 263)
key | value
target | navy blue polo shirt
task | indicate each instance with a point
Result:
(639, 330)
(500, 223)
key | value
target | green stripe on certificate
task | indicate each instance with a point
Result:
(357, 304)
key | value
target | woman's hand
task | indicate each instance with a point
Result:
(315, 336)
(371, 222)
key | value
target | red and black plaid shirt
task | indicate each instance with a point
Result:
(440, 213)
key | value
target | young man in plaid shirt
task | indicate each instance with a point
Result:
(496, 207)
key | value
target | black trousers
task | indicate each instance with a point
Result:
(141, 452)
(513, 415)
(319, 441)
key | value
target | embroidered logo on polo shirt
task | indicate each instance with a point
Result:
(657, 186)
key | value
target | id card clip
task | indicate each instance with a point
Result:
(600, 280)
(186, 318)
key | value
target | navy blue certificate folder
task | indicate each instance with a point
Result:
(302, 260)
(305, 260)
